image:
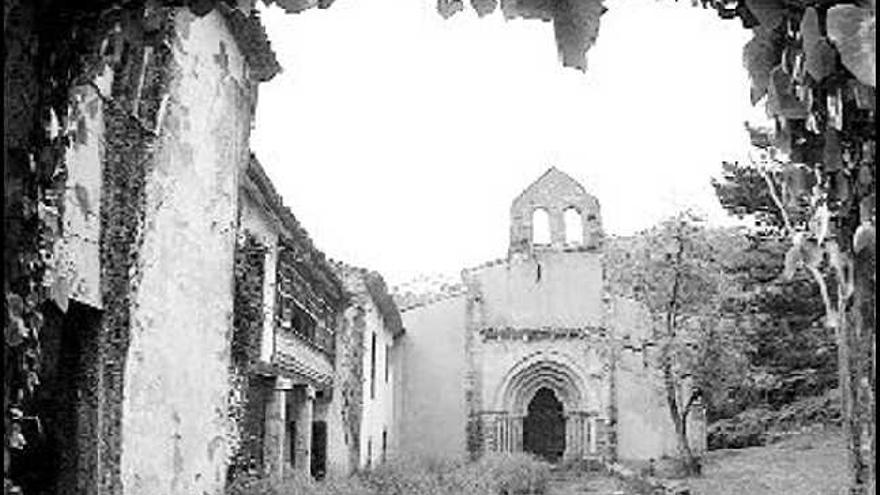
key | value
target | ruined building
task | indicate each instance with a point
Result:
(168, 324)
(371, 332)
(532, 353)
(312, 348)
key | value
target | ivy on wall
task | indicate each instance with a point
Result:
(247, 392)
(350, 376)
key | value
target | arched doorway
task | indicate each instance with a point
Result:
(544, 426)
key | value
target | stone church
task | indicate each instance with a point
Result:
(533, 352)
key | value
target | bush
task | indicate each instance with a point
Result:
(514, 474)
(297, 484)
(758, 426)
(495, 474)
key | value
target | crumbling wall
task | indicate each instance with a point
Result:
(644, 428)
(174, 420)
(248, 390)
(346, 409)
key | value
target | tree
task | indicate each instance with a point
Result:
(783, 320)
(675, 270)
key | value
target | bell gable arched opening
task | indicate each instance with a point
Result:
(574, 227)
(540, 227)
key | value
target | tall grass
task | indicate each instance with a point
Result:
(495, 474)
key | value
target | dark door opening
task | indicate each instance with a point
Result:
(544, 426)
(319, 449)
(61, 456)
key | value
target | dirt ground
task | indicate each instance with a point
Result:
(805, 464)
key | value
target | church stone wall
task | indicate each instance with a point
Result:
(432, 416)
(644, 428)
(549, 289)
(542, 318)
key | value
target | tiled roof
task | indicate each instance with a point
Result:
(249, 33)
(374, 286)
(314, 264)
(427, 289)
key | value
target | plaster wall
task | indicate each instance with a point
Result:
(378, 408)
(433, 415)
(77, 252)
(255, 218)
(338, 459)
(175, 425)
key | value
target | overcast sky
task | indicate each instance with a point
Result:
(399, 139)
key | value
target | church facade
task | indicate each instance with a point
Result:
(533, 353)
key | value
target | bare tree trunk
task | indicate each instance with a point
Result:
(679, 419)
(848, 395)
(686, 455)
(864, 369)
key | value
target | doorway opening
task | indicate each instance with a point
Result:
(544, 426)
(62, 455)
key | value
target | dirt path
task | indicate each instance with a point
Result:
(571, 483)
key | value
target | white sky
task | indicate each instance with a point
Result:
(399, 139)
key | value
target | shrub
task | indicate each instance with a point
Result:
(515, 474)
(297, 484)
(758, 426)
(494, 474)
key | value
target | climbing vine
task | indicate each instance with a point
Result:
(42, 61)
(350, 370)
(248, 319)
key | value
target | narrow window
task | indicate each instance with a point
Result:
(373, 366)
(369, 452)
(384, 444)
(574, 227)
(540, 226)
(387, 361)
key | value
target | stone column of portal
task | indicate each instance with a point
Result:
(273, 446)
(517, 427)
(501, 422)
(304, 417)
(509, 433)
(571, 444)
(592, 435)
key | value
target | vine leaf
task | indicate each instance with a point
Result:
(863, 95)
(782, 138)
(60, 292)
(289, 6)
(820, 223)
(448, 8)
(781, 99)
(864, 237)
(484, 7)
(576, 25)
(760, 55)
(16, 439)
(832, 154)
(820, 55)
(16, 331)
(852, 30)
(768, 12)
